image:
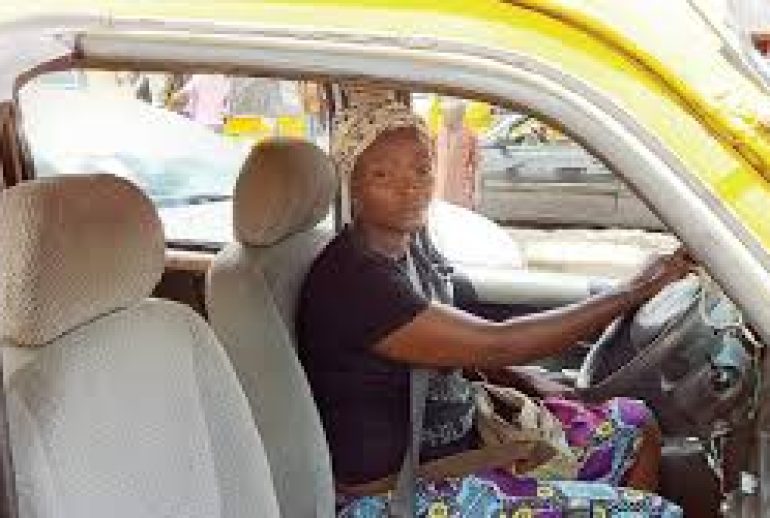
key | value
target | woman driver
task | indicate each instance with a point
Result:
(363, 325)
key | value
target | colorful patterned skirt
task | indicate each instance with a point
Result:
(605, 438)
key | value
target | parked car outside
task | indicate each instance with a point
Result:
(532, 175)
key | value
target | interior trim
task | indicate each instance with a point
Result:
(188, 260)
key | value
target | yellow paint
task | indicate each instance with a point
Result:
(291, 126)
(655, 59)
(478, 116)
(258, 128)
(434, 116)
(245, 125)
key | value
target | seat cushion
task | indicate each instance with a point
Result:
(137, 413)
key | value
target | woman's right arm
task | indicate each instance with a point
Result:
(442, 336)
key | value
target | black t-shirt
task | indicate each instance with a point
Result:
(351, 299)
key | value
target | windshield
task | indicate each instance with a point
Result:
(187, 157)
(182, 139)
(175, 161)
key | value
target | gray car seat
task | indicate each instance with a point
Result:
(285, 189)
(119, 405)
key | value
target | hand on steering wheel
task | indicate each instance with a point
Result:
(657, 273)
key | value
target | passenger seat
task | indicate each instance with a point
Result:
(285, 189)
(118, 405)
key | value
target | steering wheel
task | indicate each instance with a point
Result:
(685, 359)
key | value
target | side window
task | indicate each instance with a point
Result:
(537, 153)
(180, 138)
(549, 198)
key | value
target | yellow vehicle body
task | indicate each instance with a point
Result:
(678, 84)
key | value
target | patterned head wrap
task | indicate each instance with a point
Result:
(371, 112)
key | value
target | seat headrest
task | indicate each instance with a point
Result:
(73, 248)
(285, 186)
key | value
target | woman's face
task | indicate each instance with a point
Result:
(393, 182)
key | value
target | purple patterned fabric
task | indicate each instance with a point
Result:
(495, 494)
(605, 437)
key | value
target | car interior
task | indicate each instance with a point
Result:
(116, 333)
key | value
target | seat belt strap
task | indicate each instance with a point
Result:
(9, 501)
(403, 499)
(403, 503)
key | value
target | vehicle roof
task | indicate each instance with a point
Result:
(705, 79)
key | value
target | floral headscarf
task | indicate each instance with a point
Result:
(371, 112)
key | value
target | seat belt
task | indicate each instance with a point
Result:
(9, 500)
(402, 502)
